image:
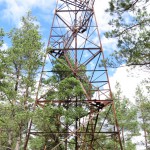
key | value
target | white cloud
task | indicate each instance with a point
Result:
(15, 9)
(128, 80)
(102, 17)
(109, 44)
(4, 47)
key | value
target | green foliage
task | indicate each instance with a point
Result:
(23, 58)
(127, 118)
(12, 121)
(126, 112)
(1, 37)
(69, 87)
(66, 86)
(57, 117)
(143, 105)
(130, 22)
(26, 43)
(2, 65)
(19, 66)
(130, 146)
(37, 143)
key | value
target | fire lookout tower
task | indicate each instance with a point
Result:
(75, 43)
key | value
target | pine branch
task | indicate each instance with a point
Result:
(135, 25)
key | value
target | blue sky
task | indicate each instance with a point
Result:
(13, 10)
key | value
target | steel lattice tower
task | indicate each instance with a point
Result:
(74, 36)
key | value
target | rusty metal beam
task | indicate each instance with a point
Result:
(65, 42)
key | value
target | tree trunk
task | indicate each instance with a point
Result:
(123, 140)
(145, 136)
(18, 143)
(45, 147)
(19, 139)
(9, 141)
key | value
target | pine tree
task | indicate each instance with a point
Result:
(143, 105)
(2, 65)
(130, 27)
(57, 117)
(127, 119)
(22, 61)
